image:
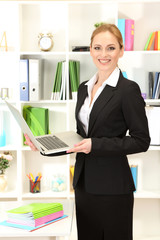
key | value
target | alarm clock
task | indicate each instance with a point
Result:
(45, 41)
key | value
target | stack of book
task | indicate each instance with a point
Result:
(34, 215)
(126, 27)
(59, 91)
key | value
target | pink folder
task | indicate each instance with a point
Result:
(38, 221)
(129, 34)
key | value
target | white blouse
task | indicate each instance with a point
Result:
(86, 108)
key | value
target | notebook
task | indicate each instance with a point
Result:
(50, 144)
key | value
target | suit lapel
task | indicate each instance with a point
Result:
(99, 104)
(82, 96)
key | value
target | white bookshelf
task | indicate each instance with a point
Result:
(71, 23)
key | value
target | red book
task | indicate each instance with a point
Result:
(156, 41)
(129, 34)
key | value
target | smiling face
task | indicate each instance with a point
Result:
(105, 51)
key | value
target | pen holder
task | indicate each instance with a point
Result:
(35, 187)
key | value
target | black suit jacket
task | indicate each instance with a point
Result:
(117, 110)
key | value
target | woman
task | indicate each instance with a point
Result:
(108, 106)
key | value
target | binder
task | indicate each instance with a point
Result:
(121, 26)
(150, 84)
(34, 79)
(134, 170)
(129, 34)
(37, 120)
(24, 79)
(155, 84)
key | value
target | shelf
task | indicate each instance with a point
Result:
(8, 195)
(43, 53)
(154, 148)
(152, 102)
(148, 238)
(9, 148)
(45, 194)
(147, 194)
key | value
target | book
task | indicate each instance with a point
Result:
(156, 41)
(157, 93)
(155, 84)
(134, 171)
(31, 228)
(150, 84)
(33, 216)
(148, 40)
(121, 26)
(151, 41)
(129, 34)
(80, 49)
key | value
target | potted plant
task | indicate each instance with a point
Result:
(5, 160)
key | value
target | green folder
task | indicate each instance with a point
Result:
(37, 210)
(74, 75)
(37, 119)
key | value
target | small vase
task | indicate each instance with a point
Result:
(3, 182)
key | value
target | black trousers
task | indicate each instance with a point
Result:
(103, 217)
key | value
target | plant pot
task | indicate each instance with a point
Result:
(3, 182)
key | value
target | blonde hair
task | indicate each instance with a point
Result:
(112, 28)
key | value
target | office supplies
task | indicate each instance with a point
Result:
(34, 215)
(24, 79)
(49, 144)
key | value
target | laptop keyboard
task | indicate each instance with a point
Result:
(51, 142)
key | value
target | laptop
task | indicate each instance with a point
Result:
(53, 145)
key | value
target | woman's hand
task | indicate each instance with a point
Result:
(83, 146)
(29, 143)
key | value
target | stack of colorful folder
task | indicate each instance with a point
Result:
(35, 214)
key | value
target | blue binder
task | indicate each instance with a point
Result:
(134, 169)
(121, 26)
(24, 79)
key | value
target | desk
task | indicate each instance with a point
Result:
(58, 230)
